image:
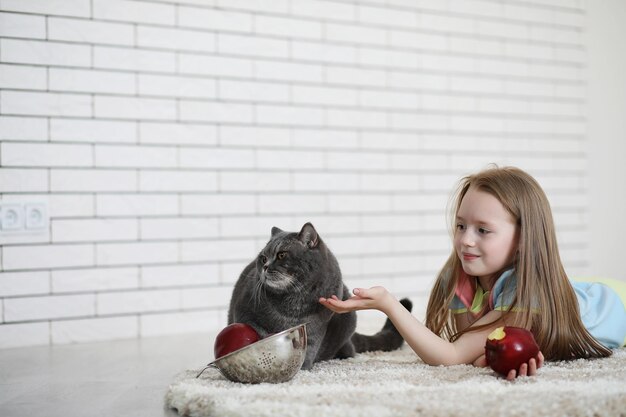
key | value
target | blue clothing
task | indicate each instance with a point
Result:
(602, 311)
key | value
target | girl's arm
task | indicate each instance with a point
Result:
(427, 345)
(463, 321)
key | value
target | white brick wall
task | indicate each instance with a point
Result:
(169, 136)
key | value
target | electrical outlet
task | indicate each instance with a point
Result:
(36, 216)
(23, 218)
(11, 217)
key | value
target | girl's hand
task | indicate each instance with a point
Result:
(364, 299)
(481, 362)
(526, 369)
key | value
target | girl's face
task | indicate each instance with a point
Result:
(486, 235)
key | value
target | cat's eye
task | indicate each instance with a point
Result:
(281, 255)
(263, 259)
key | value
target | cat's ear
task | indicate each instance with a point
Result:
(308, 235)
(275, 231)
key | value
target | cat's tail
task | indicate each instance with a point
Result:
(386, 339)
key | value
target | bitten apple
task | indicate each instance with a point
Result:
(508, 348)
(234, 337)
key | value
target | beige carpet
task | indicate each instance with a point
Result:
(398, 384)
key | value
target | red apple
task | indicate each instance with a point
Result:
(234, 337)
(509, 347)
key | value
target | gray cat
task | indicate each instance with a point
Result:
(281, 288)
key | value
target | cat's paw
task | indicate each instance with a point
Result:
(307, 365)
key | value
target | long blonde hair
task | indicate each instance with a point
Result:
(544, 301)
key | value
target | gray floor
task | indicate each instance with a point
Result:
(119, 378)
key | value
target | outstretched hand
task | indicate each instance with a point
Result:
(525, 369)
(363, 299)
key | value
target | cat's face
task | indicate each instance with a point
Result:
(287, 259)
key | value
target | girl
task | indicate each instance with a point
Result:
(504, 270)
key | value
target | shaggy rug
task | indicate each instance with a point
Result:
(397, 383)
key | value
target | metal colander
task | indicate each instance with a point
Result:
(275, 359)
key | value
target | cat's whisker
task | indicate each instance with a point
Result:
(296, 284)
(258, 291)
(282, 281)
(261, 292)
